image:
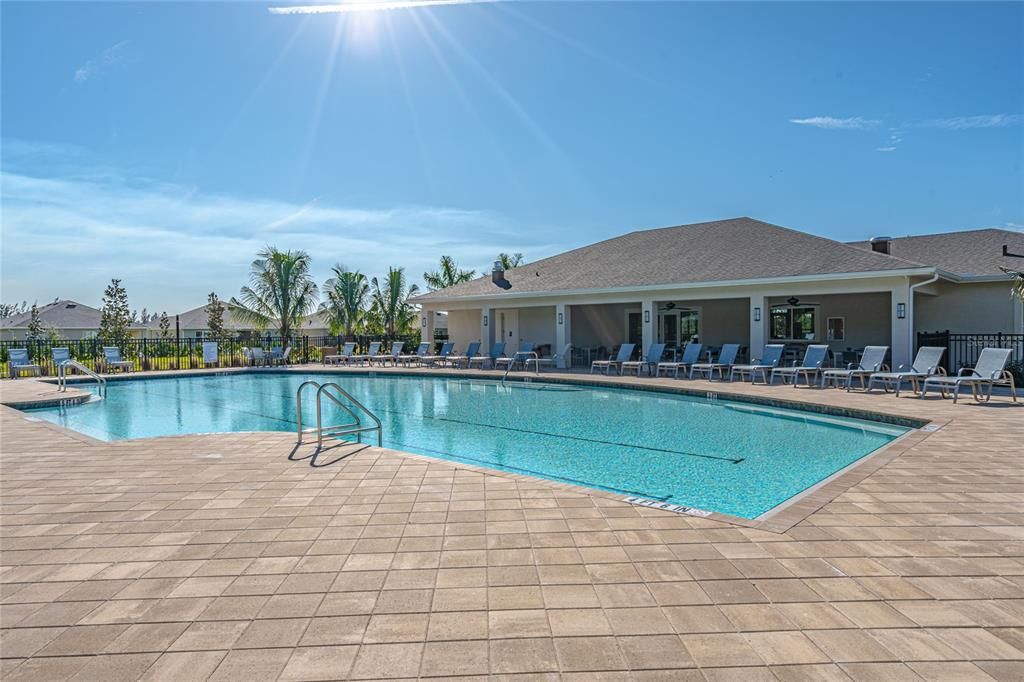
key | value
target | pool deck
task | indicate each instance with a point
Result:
(238, 556)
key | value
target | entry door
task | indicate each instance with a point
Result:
(635, 329)
(668, 332)
(508, 326)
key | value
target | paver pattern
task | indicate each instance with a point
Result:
(230, 557)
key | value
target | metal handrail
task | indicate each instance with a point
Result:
(62, 380)
(521, 357)
(355, 427)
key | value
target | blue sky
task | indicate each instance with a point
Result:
(165, 143)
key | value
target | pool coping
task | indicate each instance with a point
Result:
(778, 519)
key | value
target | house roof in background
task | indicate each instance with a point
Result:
(196, 318)
(966, 253)
(62, 314)
(718, 251)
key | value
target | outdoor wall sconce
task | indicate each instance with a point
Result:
(901, 311)
(424, 322)
(647, 316)
(560, 320)
(757, 314)
(485, 320)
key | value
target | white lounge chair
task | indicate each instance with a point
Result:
(112, 360)
(344, 356)
(421, 352)
(369, 356)
(986, 373)
(691, 354)
(624, 354)
(814, 360)
(926, 364)
(565, 354)
(650, 361)
(497, 351)
(518, 358)
(279, 356)
(726, 359)
(18, 362)
(392, 357)
(210, 356)
(871, 360)
(464, 359)
(769, 360)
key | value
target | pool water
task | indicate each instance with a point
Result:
(714, 455)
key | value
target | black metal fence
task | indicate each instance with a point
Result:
(962, 350)
(187, 353)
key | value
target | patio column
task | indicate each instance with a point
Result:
(758, 325)
(427, 325)
(650, 318)
(902, 327)
(486, 329)
(563, 331)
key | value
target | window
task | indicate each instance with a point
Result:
(793, 323)
(836, 327)
(689, 325)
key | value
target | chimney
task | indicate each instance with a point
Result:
(498, 276)
(881, 245)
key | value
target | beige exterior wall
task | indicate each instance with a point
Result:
(538, 325)
(867, 318)
(463, 327)
(600, 326)
(977, 307)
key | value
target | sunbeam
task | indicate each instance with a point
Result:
(370, 6)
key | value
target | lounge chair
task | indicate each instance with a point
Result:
(326, 352)
(986, 373)
(255, 356)
(726, 359)
(210, 356)
(369, 356)
(814, 359)
(768, 361)
(650, 361)
(497, 351)
(872, 360)
(18, 362)
(60, 355)
(625, 353)
(565, 353)
(344, 356)
(417, 357)
(393, 356)
(112, 360)
(926, 364)
(691, 354)
(518, 358)
(471, 352)
(442, 356)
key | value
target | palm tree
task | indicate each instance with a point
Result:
(1017, 286)
(390, 302)
(347, 293)
(510, 261)
(448, 275)
(280, 291)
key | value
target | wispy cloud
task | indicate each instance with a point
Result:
(833, 123)
(885, 149)
(369, 6)
(113, 56)
(968, 122)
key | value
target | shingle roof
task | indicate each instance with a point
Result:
(971, 252)
(62, 314)
(723, 250)
(197, 319)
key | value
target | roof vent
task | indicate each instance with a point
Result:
(881, 245)
(69, 306)
(498, 276)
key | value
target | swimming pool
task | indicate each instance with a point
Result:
(714, 455)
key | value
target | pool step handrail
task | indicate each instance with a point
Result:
(62, 371)
(355, 427)
(522, 356)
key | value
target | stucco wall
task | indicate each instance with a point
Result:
(538, 325)
(723, 321)
(600, 325)
(868, 318)
(463, 327)
(983, 307)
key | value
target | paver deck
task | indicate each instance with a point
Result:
(231, 557)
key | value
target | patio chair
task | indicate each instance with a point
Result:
(497, 351)
(255, 356)
(392, 357)
(279, 356)
(625, 353)
(60, 356)
(518, 358)
(691, 354)
(926, 364)
(112, 360)
(417, 357)
(810, 366)
(871, 360)
(210, 356)
(471, 352)
(18, 362)
(344, 356)
(442, 356)
(726, 359)
(369, 356)
(653, 357)
(768, 361)
(564, 354)
(986, 373)
(326, 352)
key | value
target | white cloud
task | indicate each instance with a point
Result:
(109, 58)
(833, 123)
(968, 122)
(369, 6)
(885, 149)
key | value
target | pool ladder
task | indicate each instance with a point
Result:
(356, 426)
(62, 379)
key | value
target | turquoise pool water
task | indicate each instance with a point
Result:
(733, 458)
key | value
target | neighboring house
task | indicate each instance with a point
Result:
(68, 319)
(317, 325)
(193, 323)
(743, 281)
